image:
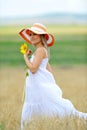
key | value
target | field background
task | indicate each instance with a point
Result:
(68, 60)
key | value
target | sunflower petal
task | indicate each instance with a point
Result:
(23, 48)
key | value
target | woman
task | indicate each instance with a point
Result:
(43, 96)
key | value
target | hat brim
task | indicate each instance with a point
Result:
(24, 33)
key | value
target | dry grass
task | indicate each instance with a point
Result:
(73, 83)
(54, 29)
(56, 124)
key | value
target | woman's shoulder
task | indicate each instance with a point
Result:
(41, 51)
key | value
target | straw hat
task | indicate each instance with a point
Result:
(37, 28)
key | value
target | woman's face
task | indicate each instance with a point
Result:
(35, 38)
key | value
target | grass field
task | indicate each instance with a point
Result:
(69, 63)
(69, 49)
(72, 82)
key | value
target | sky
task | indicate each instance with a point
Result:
(19, 8)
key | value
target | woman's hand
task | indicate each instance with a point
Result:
(29, 52)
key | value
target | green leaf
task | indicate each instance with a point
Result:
(27, 74)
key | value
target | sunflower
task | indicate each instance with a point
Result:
(23, 48)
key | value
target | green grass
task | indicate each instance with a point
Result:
(67, 51)
(69, 48)
(2, 126)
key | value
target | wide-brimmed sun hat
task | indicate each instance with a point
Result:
(37, 28)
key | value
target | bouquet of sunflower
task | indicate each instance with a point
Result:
(23, 50)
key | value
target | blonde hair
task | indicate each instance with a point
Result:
(44, 42)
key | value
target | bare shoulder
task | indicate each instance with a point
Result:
(40, 51)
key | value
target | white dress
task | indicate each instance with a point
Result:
(43, 97)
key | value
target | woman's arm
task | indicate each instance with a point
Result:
(39, 55)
